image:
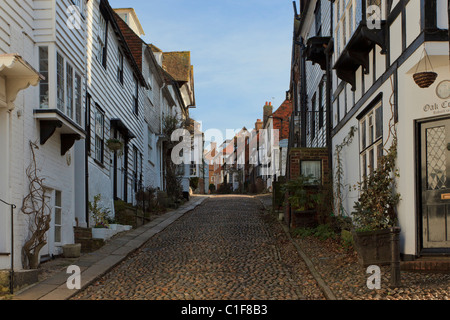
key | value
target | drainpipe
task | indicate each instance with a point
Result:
(11, 272)
(161, 155)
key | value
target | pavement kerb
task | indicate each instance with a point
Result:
(322, 284)
(54, 288)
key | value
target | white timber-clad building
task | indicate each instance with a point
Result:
(43, 44)
(72, 84)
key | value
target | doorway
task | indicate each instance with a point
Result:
(435, 186)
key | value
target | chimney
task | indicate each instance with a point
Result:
(259, 125)
(268, 110)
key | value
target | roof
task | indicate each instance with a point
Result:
(281, 119)
(119, 28)
(134, 16)
(154, 48)
(178, 64)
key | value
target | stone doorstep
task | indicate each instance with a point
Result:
(426, 265)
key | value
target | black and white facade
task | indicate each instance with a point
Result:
(370, 51)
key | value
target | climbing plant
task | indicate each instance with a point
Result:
(36, 207)
(339, 185)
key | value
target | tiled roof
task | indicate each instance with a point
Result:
(283, 112)
(178, 65)
(154, 48)
(134, 42)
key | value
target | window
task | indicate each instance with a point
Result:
(120, 68)
(102, 39)
(58, 217)
(193, 169)
(60, 82)
(78, 98)
(371, 126)
(69, 91)
(43, 84)
(313, 117)
(322, 95)
(318, 17)
(150, 145)
(350, 20)
(99, 134)
(313, 170)
(137, 162)
(136, 97)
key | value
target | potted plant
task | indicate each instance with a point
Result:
(303, 197)
(100, 215)
(375, 214)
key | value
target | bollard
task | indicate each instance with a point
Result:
(395, 258)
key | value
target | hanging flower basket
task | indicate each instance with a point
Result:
(425, 79)
(114, 145)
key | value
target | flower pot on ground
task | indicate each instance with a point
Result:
(375, 212)
(373, 247)
(303, 197)
(102, 233)
(72, 250)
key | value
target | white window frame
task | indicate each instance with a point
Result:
(101, 38)
(371, 141)
(99, 136)
(57, 210)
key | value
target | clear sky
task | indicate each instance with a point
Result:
(240, 50)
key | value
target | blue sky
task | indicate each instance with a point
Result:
(240, 49)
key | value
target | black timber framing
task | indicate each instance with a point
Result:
(421, 39)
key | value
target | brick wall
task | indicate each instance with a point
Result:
(295, 157)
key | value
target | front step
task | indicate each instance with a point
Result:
(83, 236)
(427, 264)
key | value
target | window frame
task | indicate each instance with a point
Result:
(57, 207)
(136, 96)
(371, 140)
(44, 69)
(120, 67)
(99, 141)
(317, 180)
(102, 39)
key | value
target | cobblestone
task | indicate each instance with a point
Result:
(229, 248)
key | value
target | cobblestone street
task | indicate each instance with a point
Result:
(226, 249)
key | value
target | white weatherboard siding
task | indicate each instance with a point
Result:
(152, 126)
(116, 100)
(24, 26)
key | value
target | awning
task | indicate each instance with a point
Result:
(17, 75)
(122, 128)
